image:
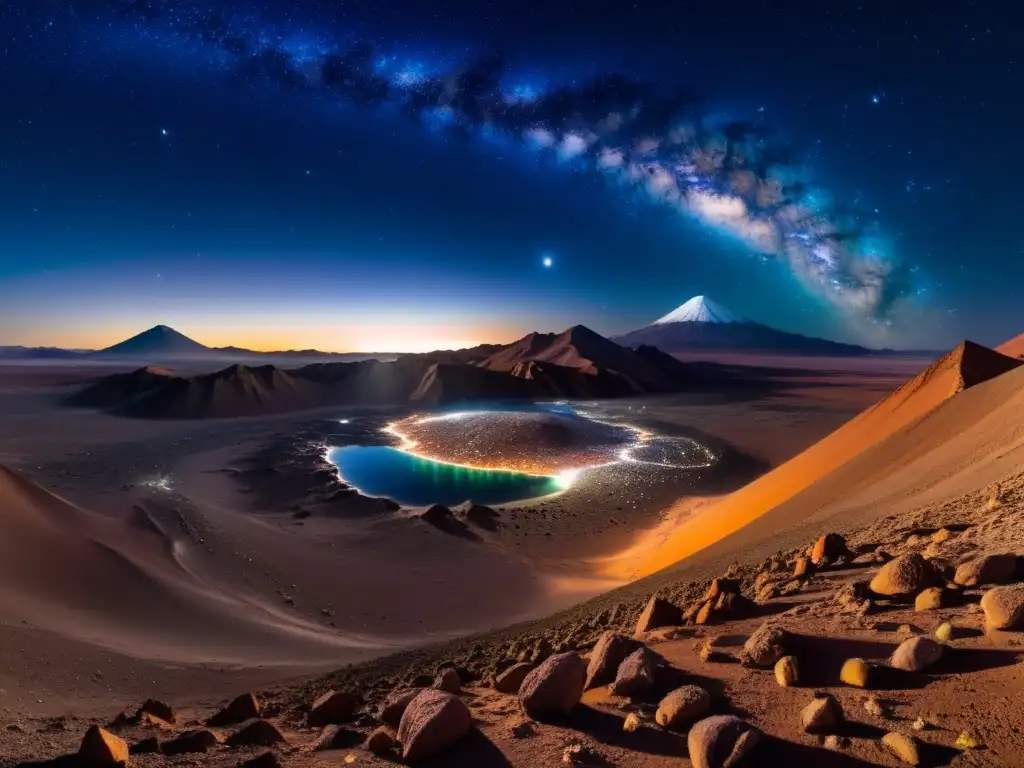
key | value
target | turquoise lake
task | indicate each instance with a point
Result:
(410, 480)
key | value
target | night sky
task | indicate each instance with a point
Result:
(409, 175)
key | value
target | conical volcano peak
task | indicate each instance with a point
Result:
(700, 309)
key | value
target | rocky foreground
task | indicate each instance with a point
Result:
(896, 645)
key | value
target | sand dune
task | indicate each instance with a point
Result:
(120, 586)
(1013, 347)
(966, 366)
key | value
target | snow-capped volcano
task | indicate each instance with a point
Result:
(704, 324)
(700, 309)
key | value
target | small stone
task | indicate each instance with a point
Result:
(382, 741)
(855, 672)
(836, 743)
(243, 708)
(191, 741)
(1004, 607)
(929, 600)
(553, 688)
(159, 709)
(919, 724)
(393, 707)
(822, 715)
(942, 535)
(720, 587)
(434, 721)
(874, 707)
(448, 681)
(266, 760)
(335, 737)
(720, 741)
(904, 747)
(101, 748)
(636, 675)
(704, 614)
(148, 746)
(510, 680)
(765, 647)
(989, 569)
(658, 613)
(258, 733)
(916, 654)
(334, 707)
(801, 567)
(683, 705)
(944, 633)
(965, 741)
(787, 671)
(632, 723)
(609, 652)
(828, 548)
(906, 575)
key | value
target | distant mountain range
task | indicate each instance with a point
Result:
(577, 363)
(162, 344)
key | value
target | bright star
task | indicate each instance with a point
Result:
(875, 99)
(548, 261)
(163, 131)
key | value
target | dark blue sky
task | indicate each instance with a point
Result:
(240, 171)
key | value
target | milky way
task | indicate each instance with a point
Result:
(732, 176)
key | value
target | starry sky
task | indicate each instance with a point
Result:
(402, 176)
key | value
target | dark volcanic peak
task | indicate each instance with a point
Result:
(159, 340)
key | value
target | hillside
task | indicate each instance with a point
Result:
(966, 366)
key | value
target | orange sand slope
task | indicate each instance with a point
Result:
(966, 366)
(124, 585)
(1013, 348)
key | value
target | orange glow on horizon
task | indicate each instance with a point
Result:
(279, 338)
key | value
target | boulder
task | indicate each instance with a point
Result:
(690, 614)
(510, 680)
(157, 709)
(989, 569)
(191, 741)
(766, 646)
(448, 681)
(243, 708)
(720, 741)
(766, 593)
(1004, 607)
(944, 633)
(855, 672)
(258, 733)
(916, 654)
(704, 614)
(682, 706)
(382, 741)
(904, 747)
(433, 721)
(906, 575)
(942, 535)
(930, 599)
(334, 707)
(822, 715)
(636, 675)
(658, 613)
(609, 652)
(787, 671)
(802, 567)
(393, 707)
(101, 748)
(828, 549)
(731, 605)
(555, 687)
